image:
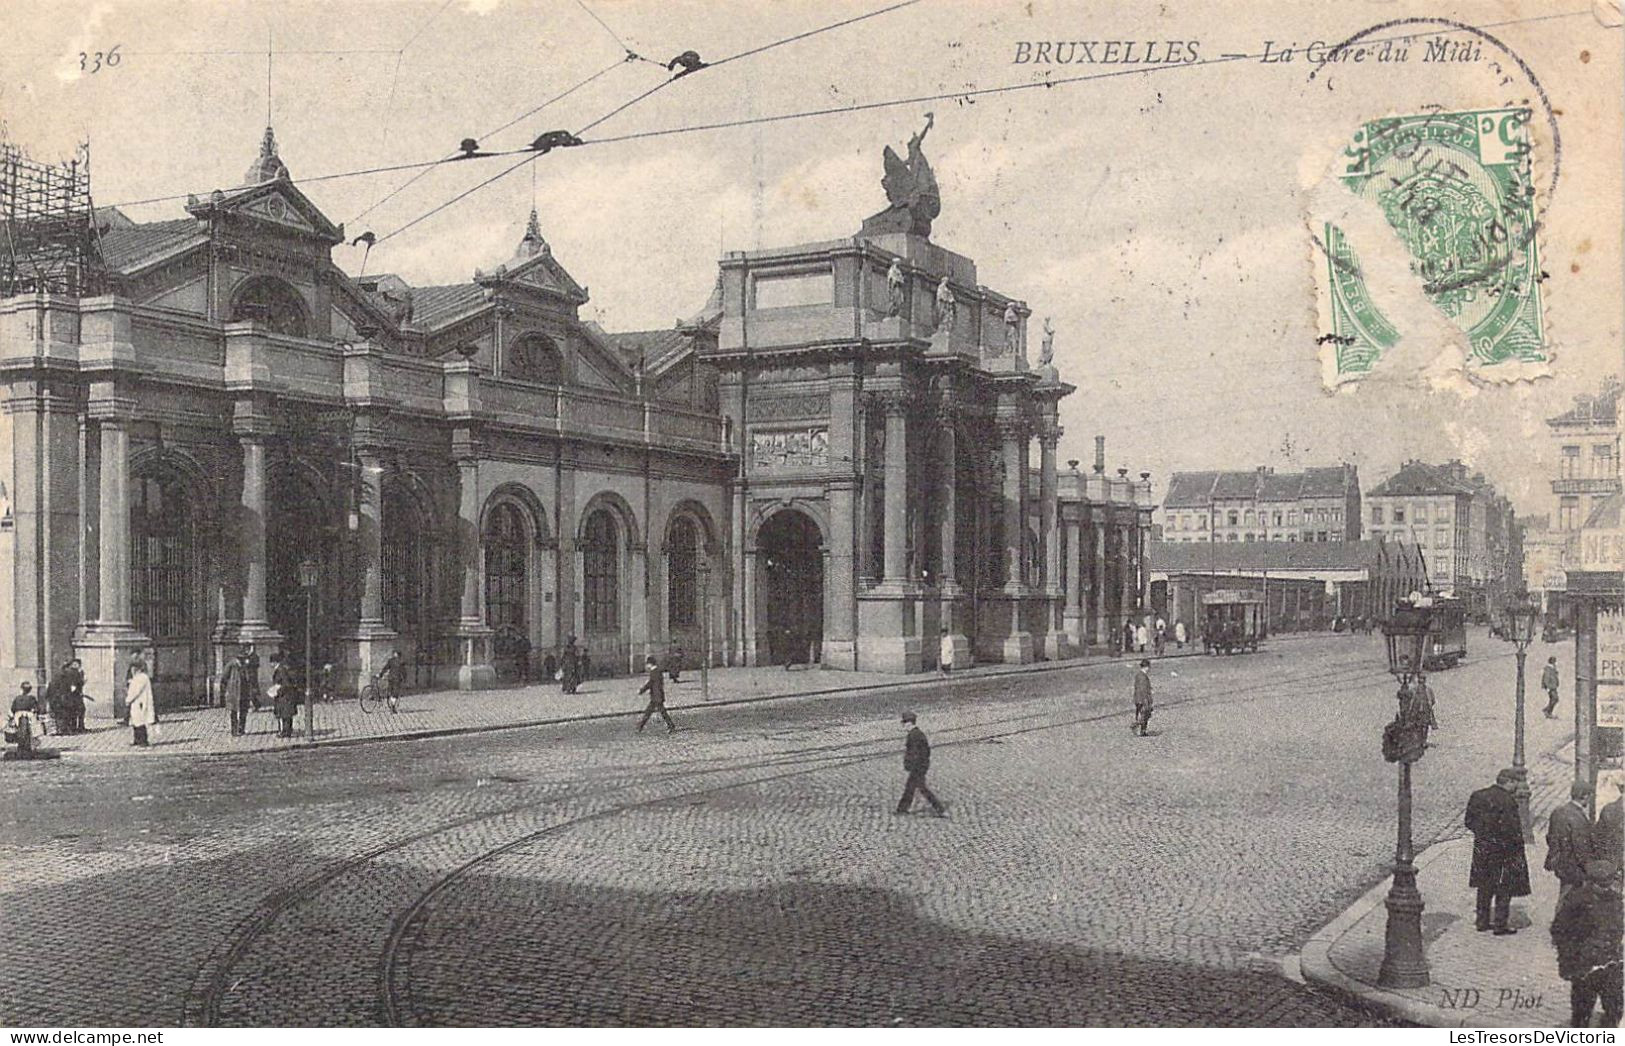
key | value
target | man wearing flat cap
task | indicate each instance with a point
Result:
(1500, 872)
(1586, 933)
(916, 761)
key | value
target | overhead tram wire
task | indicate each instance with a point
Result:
(974, 92)
(688, 69)
(427, 167)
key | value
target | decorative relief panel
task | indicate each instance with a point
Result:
(784, 408)
(791, 451)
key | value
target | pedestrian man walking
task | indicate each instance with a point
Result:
(1568, 839)
(1549, 682)
(1586, 932)
(655, 687)
(916, 761)
(1142, 699)
(1500, 872)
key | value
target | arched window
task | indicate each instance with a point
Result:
(533, 357)
(165, 565)
(505, 564)
(682, 574)
(272, 304)
(601, 573)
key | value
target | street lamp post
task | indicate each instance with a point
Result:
(705, 629)
(1519, 629)
(307, 579)
(1404, 963)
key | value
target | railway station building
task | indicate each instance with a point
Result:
(214, 437)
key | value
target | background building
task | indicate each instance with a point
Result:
(1465, 530)
(1317, 504)
(1585, 441)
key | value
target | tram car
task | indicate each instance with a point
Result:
(1447, 634)
(1232, 621)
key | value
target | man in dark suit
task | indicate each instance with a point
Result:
(1568, 839)
(1608, 835)
(655, 687)
(1142, 699)
(916, 761)
(1500, 872)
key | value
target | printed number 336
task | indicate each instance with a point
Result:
(95, 61)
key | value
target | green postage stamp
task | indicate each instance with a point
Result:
(1457, 192)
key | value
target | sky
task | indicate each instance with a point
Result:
(1159, 213)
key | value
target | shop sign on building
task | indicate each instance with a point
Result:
(1611, 668)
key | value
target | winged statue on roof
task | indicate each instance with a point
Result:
(911, 188)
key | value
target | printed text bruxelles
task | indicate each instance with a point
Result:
(1107, 52)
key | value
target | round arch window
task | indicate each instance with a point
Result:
(534, 357)
(273, 304)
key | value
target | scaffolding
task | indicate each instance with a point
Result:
(47, 226)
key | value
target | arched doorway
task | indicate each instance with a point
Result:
(301, 525)
(601, 578)
(790, 590)
(507, 584)
(408, 578)
(167, 576)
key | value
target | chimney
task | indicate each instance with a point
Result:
(1100, 455)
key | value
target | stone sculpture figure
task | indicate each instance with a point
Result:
(894, 287)
(1012, 328)
(911, 188)
(947, 306)
(1046, 354)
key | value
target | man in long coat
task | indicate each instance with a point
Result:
(1500, 871)
(570, 666)
(238, 689)
(1142, 699)
(1568, 839)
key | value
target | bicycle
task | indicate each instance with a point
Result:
(373, 696)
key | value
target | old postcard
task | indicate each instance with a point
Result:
(659, 512)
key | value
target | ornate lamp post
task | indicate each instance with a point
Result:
(1519, 628)
(1404, 963)
(307, 580)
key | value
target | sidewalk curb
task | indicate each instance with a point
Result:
(1317, 968)
(918, 679)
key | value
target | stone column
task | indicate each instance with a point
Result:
(251, 508)
(106, 644)
(888, 617)
(1050, 535)
(474, 668)
(1076, 556)
(1099, 621)
(954, 644)
(1128, 572)
(1016, 640)
(366, 649)
(896, 548)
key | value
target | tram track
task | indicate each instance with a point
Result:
(216, 978)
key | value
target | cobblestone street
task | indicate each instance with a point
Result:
(749, 870)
